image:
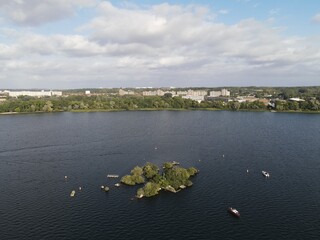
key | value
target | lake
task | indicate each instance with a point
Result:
(38, 150)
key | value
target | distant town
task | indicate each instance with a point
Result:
(232, 98)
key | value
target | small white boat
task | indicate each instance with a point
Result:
(72, 193)
(234, 212)
(117, 184)
(266, 174)
(112, 176)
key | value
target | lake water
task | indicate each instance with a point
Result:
(38, 150)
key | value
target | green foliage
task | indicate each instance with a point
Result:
(137, 171)
(177, 176)
(128, 180)
(138, 179)
(135, 178)
(150, 170)
(192, 171)
(168, 165)
(150, 189)
(140, 192)
(234, 105)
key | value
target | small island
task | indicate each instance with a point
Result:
(171, 178)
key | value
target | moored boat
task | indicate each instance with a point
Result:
(266, 174)
(234, 212)
(72, 193)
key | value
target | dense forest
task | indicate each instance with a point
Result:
(109, 101)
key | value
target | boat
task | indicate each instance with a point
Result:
(234, 212)
(112, 176)
(117, 184)
(72, 193)
(175, 163)
(266, 174)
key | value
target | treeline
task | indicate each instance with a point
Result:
(105, 103)
(309, 105)
(277, 92)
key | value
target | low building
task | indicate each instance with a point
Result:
(195, 98)
(222, 99)
(197, 92)
(182, 93)
(153, 93)
(34, 93)
(246, 99)
(87, 92)
(123, 92)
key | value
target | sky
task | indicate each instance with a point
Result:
(66, 44)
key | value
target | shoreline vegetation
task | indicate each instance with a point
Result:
(172, 178)
(157, 109)
(289, 100)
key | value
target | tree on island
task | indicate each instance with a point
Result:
(135, 178)
(150, 170)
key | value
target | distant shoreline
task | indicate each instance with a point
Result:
(157, 109)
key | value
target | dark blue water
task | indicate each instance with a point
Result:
(37, 151)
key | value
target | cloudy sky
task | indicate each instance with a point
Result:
(58, 44)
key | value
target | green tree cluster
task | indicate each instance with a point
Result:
(135, 177)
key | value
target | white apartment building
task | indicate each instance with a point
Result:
(153, 93)
(123, 92)
(181, 93)
(215, 93)
(34, 93)
(197, 93)
(224, 92)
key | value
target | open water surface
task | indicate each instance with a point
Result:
(38, 150)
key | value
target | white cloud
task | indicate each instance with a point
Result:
(316, 18)
(223, 11)
(37, 12)
(274, 11)
(161, 45)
